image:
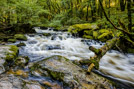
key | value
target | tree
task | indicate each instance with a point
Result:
(122, 5)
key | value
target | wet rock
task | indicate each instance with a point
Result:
(18, 73)
(80, 28)
(33, 86)
(21, 61)
(21, 44)
(32, 42)
(13, 82)
(53, 37)
(10, 82)
(53, 47)
(20, 37)
(51, 85)
(46, 34)
(11, 40)
(62, 69)
(7, 56)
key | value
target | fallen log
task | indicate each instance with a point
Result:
(99, 53)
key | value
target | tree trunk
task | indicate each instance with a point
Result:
(87, 13)
(122, 5)
(129, 15)
(99, 53)
(109, 9)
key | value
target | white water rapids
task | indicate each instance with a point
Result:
(114, 63)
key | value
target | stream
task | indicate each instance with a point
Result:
(114, 65)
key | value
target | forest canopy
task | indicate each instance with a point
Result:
(57, 13)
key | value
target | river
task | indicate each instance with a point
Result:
(114, 64)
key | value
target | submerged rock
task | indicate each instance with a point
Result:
(7, 56)
(62, 69)
(20, 37)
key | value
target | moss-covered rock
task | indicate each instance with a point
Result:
(61, 68)
(12, 53)
(47, 34)
(21, 61)
(20, 37)
(21, 44)
(80, 28)
(11, 40)
(7, 55)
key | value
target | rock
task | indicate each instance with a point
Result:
(18, 73)
(20, 37)
(52, 85)
(21, 44)
(105, 34)
(13, 82)
(33, 85)
(11, 40)
(7, 56)
(46, 34)
(10, 82)
(32, 42)
(80, 28)
(21, 61)
(62, 69)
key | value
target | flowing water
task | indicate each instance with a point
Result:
(114, 64)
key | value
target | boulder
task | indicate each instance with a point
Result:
(80, 28)
(20, 37)
(13, 82)
(7, 56)
(11, 40)
(21, 61)
(62, 69)
(21, 44)
(47, 34)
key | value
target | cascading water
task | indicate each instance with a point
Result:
(114, 63)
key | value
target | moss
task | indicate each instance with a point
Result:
(13, 54)
(88, 37)
(11, 40)
(47, 34)
(20, 37)
(21, 44)
(105, 34)
(56, 75)
(95, 62)
(21, 61)
(95, 34)
(130, 50)
(79, 27)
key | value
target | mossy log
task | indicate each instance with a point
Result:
(99, 53)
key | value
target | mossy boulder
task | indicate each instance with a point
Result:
(80, 28)
(20, 37)
(62, 69)
(7, 55)
(11, 40)
(21, 61)
(16, 82)
(21, 44)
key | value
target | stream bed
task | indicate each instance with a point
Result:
(114, 65)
